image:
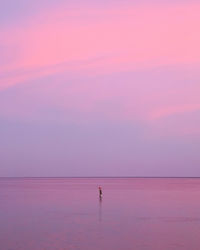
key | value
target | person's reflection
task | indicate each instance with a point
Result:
(100, 208)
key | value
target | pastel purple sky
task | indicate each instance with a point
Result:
(99, 88)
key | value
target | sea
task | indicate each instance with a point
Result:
(67, 213)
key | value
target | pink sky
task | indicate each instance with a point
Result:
(89, 88)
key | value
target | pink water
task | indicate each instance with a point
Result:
(58, 213)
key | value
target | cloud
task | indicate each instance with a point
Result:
(127, 38)
(145, 95)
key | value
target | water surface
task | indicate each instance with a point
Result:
(66, 213)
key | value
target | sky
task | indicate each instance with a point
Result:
(99, 88)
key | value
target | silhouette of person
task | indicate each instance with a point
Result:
(100, 192)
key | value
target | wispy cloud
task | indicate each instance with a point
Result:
(136, 37)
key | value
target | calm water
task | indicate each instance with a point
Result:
(67, 214)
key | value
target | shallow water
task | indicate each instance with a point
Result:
(66, 213)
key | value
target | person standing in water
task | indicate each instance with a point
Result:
(100, 192)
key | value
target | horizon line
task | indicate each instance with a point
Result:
(84, 177)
